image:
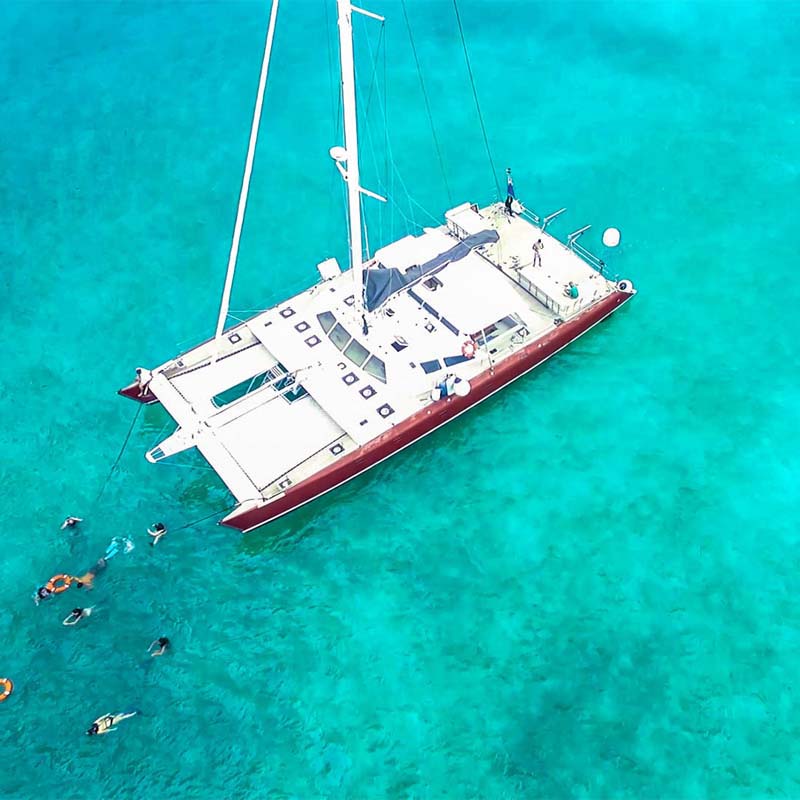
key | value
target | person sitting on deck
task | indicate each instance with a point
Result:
(571, 290)
(143, 378)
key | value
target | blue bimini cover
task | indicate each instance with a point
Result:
(380, 283)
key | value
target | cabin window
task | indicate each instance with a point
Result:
(431, 310)
(356, 352)
(326, 320)
(339, 336)
(430, 366)
(376, 368)
(449, 325)
(451, 361)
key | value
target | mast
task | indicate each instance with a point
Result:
(349, 153)
(351, 144)
(248, 169)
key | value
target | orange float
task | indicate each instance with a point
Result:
(58, 583)
(6, 687)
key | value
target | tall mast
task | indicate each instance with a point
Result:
(248, 170)
(351, 143)
(349, 153)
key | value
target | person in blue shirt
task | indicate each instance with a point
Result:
(510, 196)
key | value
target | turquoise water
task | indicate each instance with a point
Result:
(586, 588)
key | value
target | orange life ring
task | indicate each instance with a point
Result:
(6, 687)
(51, 584)
(469, 348)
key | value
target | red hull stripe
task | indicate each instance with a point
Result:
(426, 420)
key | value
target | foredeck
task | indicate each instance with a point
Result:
(357, 384)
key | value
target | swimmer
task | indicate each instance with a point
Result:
(70, 522)
(163, 644)
(76, 615)
(107, 722)
(42, 594)
(157, 531)
(86, 580)
(116, 544)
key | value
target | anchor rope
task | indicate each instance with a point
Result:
(119, 455)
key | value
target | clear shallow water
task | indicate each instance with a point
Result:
(586, 588)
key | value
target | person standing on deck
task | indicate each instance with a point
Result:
(538, 246)
(510, 195)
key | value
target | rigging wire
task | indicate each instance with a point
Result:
(427, 104)
(389, 184)
(372, 83)
(475, 95)
(334, 96)
(388, 190)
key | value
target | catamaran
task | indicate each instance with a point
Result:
(300, 398)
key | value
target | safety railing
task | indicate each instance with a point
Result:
(573, 244)
(531, 217)
(550, 217)
(590, 258)
(533, 290)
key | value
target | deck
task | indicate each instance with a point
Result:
(302, 384)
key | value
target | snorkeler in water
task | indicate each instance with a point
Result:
(119, 544)
(107, 722)
(163, 644)
(70, 522)
(76, 615)
(86, 580)
(116, 545)
(42, 594)
(157, 531)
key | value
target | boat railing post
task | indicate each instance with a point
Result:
(550, 217)
(532, 217)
